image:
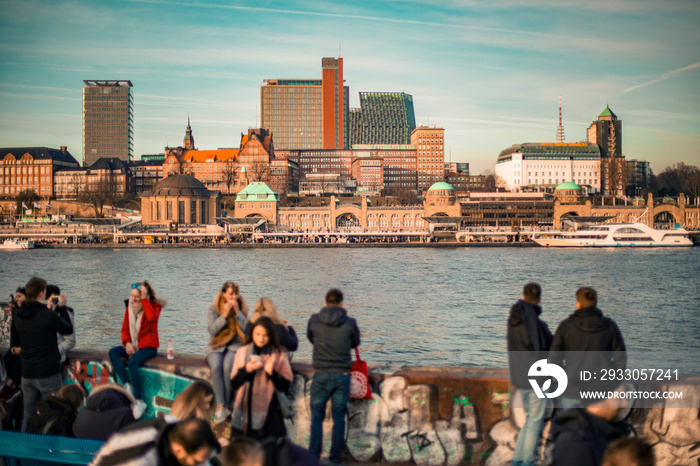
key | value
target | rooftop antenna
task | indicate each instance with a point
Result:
(560, 128)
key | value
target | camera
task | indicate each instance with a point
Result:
(54, 300)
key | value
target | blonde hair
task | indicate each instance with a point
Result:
(191, 402)
(265, 307)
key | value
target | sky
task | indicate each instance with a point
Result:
(489, 72)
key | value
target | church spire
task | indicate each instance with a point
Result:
(188, 142)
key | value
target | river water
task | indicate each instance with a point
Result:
(422, 306)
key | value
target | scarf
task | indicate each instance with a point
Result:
(232, 328)
(135, 317)
(262, 387)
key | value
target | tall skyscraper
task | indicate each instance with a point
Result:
(307, 113)
(384, 118)
(430, 155)
(606, 131)
(108, 113)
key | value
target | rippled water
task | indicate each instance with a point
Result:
(418, 306)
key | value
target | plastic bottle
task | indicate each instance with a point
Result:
(171, 350)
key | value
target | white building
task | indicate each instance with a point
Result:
(545, 165)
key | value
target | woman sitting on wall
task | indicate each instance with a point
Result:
(139, 339)
(226, 317)
(286, 335)
(260, 368)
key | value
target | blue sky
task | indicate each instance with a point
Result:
(489, 72)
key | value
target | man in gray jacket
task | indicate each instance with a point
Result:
(333, 334)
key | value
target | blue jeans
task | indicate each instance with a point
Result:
(220, 365)
(336, 387)
(33, 390)
(526, 447)
(136, 360)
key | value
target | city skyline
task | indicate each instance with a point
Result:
(491, 75)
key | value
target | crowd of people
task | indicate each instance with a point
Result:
(249, 356)
(251, 375)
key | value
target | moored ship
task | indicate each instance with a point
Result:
(615, 235)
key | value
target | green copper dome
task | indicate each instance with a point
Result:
(568, 186)
(257, 191)
(441, 185)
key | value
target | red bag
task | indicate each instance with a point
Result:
(359, 380)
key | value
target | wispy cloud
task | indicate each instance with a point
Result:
(664, 77)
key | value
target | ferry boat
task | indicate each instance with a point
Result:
(14, 243)
(614, 235)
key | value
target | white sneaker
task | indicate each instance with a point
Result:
(138, 409)
(221, 415)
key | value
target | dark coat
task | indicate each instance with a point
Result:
(581, 438)
(333, 335)
(107, 410)
(528, 338)
(52, 416)
(587, 340)
(37, 327)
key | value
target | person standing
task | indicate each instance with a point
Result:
(226, 320)
(37, 327)
(587, 341)
(529, 339)
(333, 334)
(58, 302)
(139, 339)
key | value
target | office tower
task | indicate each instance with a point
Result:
(430, 155)
(307, 113)
(606, 131)
(108, 111)
(385, 118)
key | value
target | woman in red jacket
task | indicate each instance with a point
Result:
(139, 339)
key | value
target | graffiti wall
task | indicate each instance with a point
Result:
(423, 416)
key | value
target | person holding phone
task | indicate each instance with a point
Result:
(226, 318)
(139, 339)
(260, 368)
(57, 302)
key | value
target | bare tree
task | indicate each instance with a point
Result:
(259, 171)
(229, 173)
(99, 193)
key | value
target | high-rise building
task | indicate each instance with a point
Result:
(638, 176)
(108, 127)
(430, 155)
(383, 118)
(307, 113)
(606, 131)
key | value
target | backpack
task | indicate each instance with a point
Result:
(51, 417)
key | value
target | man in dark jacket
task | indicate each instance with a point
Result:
(587, 341)
(528, 341)
(333, 334)
(581, 435)
(107, 410)
(37, 327)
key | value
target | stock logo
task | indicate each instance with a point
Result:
(542, 368)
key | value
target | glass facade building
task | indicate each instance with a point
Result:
(383, 118)
(108, 126)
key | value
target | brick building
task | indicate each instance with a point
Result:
(33, 168)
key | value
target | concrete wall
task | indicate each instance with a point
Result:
(421, 415)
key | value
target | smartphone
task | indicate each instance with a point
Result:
(256, 358)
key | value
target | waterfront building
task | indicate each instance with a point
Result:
(466, 182)
(307, 113)
(180, 200)
(511, 210)
(225, 169)
(145, 174)
(368, 173)
(544, 165)
(430, 155)
(606, 132)
(638, 174)
(383, 118)
(107, 120)
(107, 177)
(284, 174)
(316, 184)
(457, 167)
(399, 164)
(32, 168)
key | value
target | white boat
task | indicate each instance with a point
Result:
(13, 243)
(614, 235)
